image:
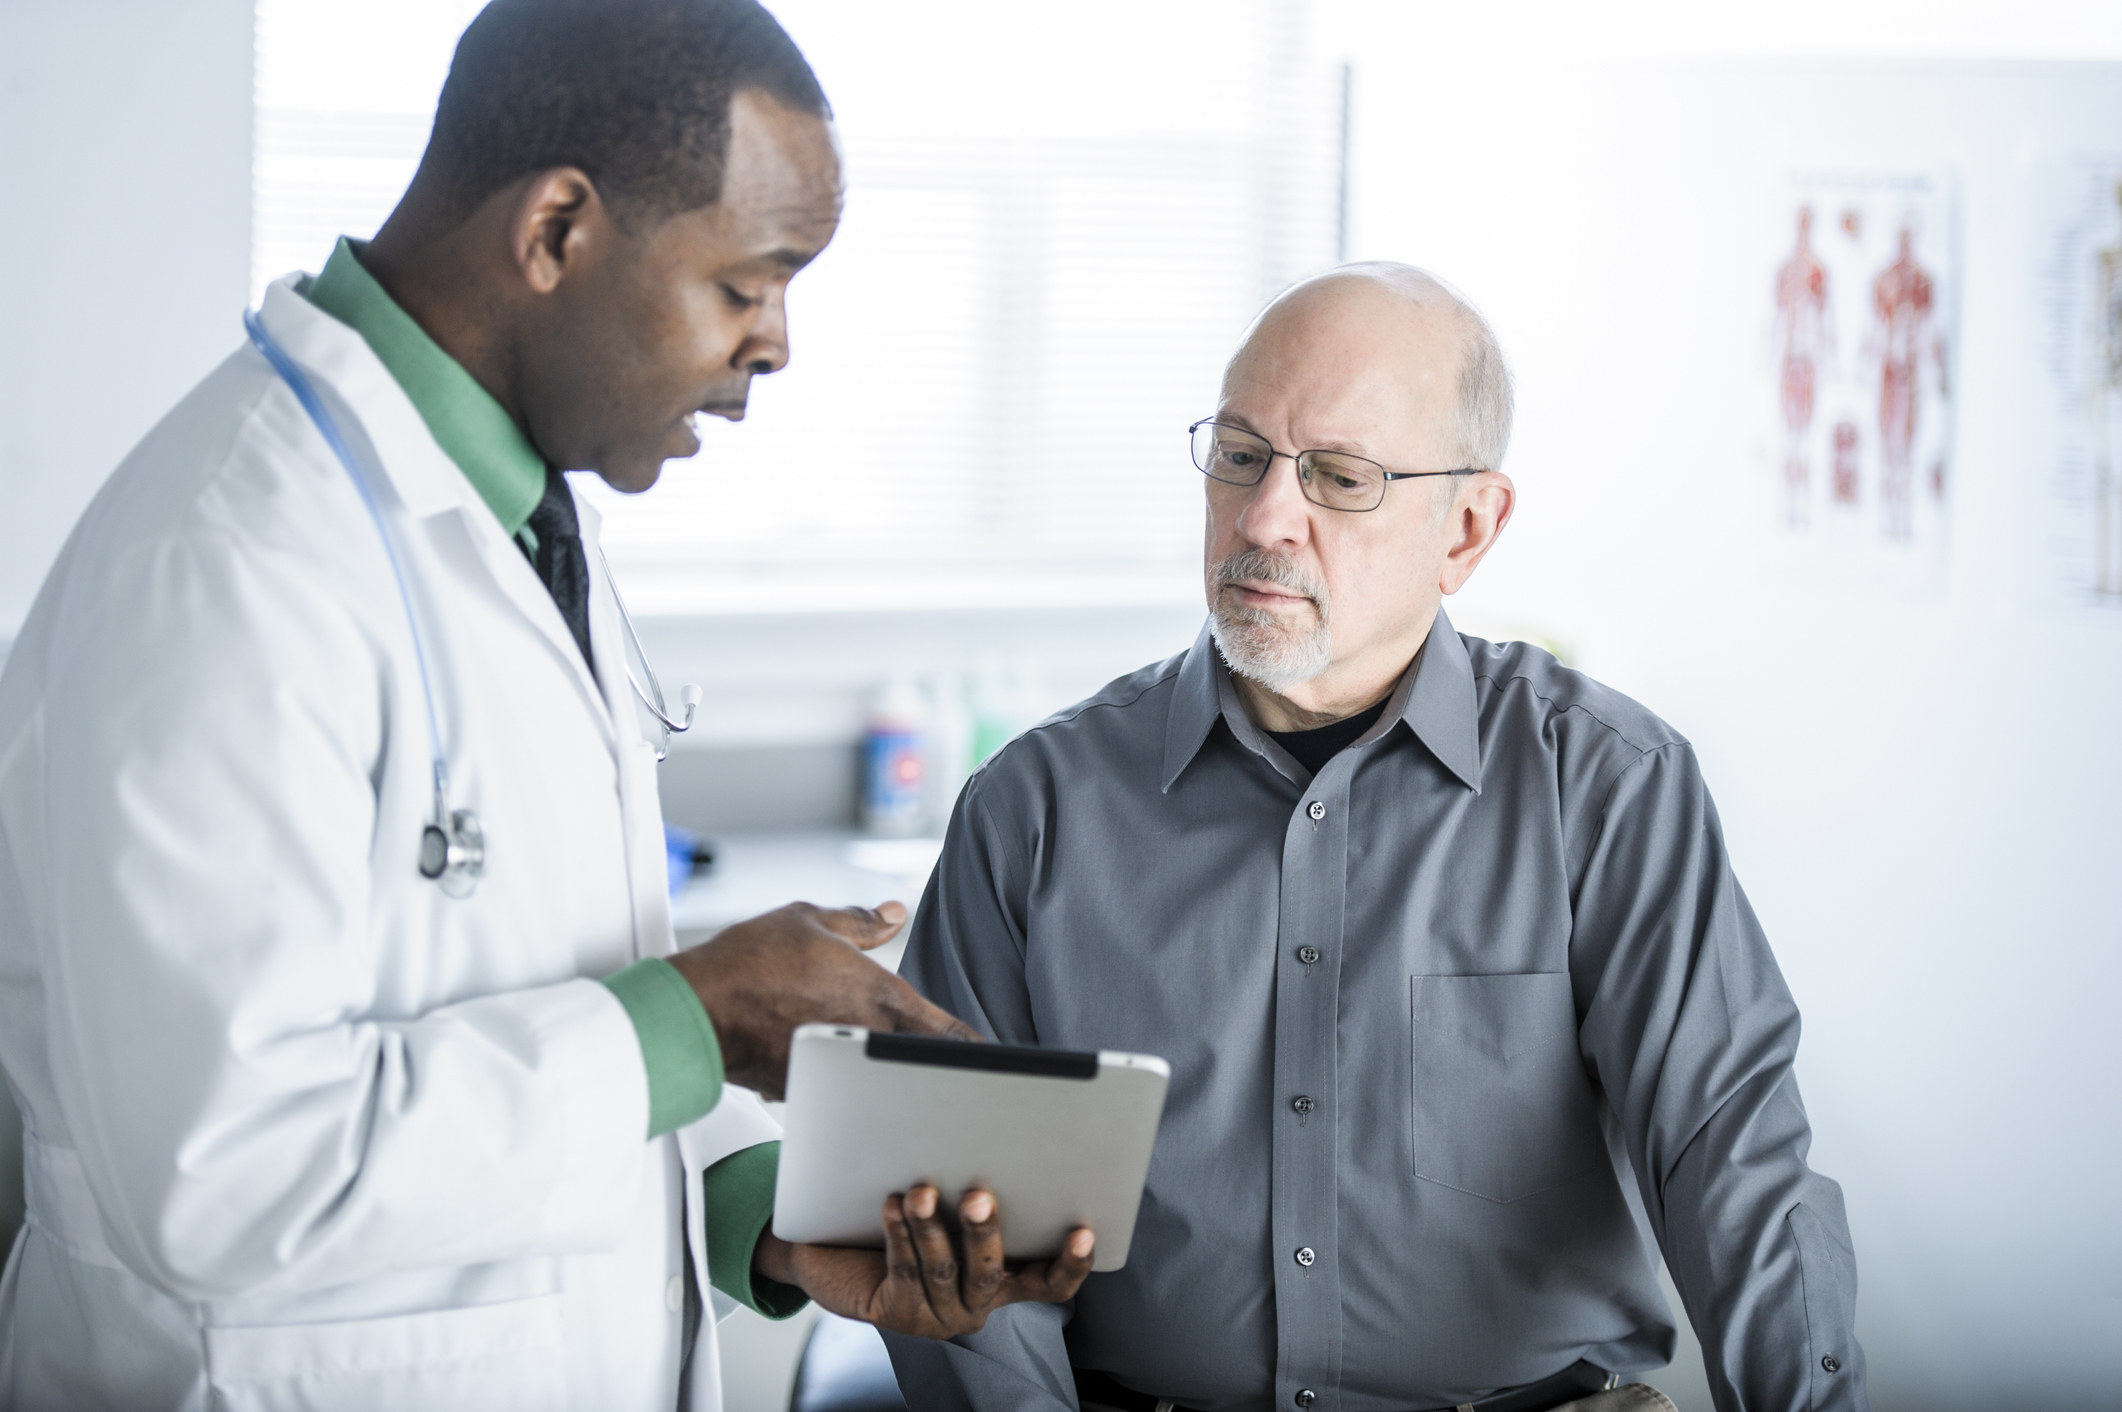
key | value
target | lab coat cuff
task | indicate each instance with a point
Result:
(737, 1199)
(679, 1050)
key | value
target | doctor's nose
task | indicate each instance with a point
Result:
(765, 349)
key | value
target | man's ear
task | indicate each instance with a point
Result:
(559, 222)
(1477, 520)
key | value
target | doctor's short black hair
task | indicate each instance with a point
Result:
(635, 93)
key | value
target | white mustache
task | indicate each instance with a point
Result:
(1259, 566)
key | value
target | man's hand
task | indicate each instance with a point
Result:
(924, 1282)
(800, 964)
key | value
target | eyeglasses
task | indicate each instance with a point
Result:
(1334, 480)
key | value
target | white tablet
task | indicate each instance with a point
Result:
(1062, 1138)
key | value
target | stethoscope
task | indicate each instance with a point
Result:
(453, 844)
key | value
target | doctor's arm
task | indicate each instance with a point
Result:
(255, 1105)
(1690, 1031)
(255, 1108)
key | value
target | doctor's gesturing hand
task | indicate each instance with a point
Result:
(798, 965)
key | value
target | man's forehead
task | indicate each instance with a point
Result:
(746, 238)
(783, 166)
(767, 137)
(1339, 381)
(780, 203)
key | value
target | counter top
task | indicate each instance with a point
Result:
(756, 873)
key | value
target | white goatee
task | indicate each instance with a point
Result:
(1262, 645)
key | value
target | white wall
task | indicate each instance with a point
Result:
(127, 125)
(1920, 785)
(123, 264)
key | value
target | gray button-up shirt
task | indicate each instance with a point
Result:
(1424, 1013)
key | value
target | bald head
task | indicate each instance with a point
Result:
(1393, 324)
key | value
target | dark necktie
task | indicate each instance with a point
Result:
(559, 559)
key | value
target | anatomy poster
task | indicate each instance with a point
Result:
(1860, 298)
(2074, 550)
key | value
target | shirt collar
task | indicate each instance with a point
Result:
(1435, 697)
(473, 429)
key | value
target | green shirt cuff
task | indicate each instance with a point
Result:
(737, 1199)
(678, 1045)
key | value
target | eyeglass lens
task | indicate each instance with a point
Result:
(1327, 478)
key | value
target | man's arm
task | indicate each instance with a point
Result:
(966, 953)
(1689, 1029)
(245, 1119)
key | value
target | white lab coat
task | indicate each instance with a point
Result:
(302, 1132)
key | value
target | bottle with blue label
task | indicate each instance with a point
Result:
(895, 761)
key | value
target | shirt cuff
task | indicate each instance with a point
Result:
(737, 1200)
(678, 1045)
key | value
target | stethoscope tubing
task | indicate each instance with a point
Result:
(453, 848)
(327, 426)
(651, 695)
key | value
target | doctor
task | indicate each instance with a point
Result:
(336, 972)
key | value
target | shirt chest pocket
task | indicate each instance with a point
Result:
(1500, 1103)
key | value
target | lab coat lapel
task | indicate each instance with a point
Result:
(511, 572)
(374, 410)
(640, 801)
(370, 406)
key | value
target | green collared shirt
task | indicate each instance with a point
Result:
(470, 426)
(678, 1045)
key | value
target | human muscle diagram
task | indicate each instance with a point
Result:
(2075, 545)
(1804, 342)
(1861, 301)
(1904, 310)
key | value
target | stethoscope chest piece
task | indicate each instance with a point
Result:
(454, 858)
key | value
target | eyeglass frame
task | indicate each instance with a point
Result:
(1388, 477)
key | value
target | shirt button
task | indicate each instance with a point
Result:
(1317, 811)
(1831, 1363)
(1303, 1104)
(1309, 955)
(674, 1294)
(1306, 1397)
(1305, 1256)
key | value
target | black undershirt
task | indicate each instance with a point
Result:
(1313, 748)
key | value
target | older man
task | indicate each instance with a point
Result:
(1440, 937)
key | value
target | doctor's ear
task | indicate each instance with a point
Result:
(559, 215)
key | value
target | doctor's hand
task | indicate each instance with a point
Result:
(799, 965)
(925, 1282)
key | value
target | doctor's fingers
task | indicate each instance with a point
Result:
(910, 1014)
(865, 927)
(920, 1290)
(984, 1275)
(940, 1265)
(1053, 1281)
